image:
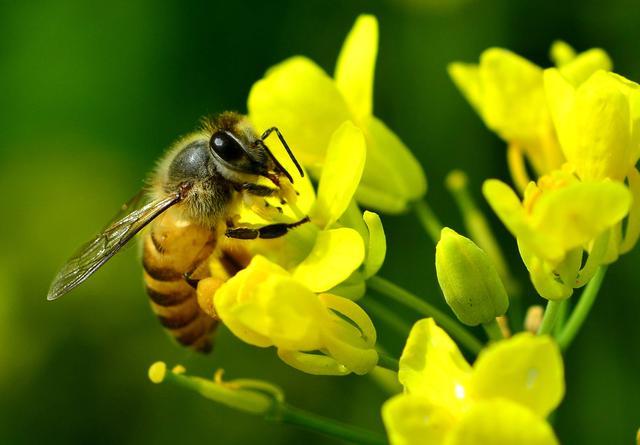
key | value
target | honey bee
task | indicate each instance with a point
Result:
(193, 195)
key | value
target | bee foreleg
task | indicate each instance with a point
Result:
(257, 190)
(265, 232)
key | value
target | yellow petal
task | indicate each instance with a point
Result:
(525, 369)
(359, 360)
(633, 226)
(336, 254)
(301, 100)
(392, 176)
(284, 311)
(466, 76)
(601, 122)
(315, 364)
(227, 300)
(353, 312)
(561, 53)
(341, 174)
(574, 215)
(356, 65)
(352, 288)
(506, 204)
(263, 306)
(544, 276)
(377, 246)
(412, 420)
(432, 366)
(585, 64)
(513, 96)
(501, 422)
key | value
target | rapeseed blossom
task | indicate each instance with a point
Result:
(502, 399)
(508, 93)
(558, 218)
(309, 107)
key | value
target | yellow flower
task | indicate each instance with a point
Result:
(558, 219)
(340, 246)
(508, 93)
(264, 305)
(598, 122)
(309, 107)
(292, 293)
(503, 399)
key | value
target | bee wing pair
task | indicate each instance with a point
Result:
(107, 243)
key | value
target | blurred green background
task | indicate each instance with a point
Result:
(92, 93)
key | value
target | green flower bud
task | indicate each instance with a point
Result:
(469, 282)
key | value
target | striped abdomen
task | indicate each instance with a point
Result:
(174, 247)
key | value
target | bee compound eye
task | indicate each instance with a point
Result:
(225, 146)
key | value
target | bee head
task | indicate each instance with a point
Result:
(238, 152)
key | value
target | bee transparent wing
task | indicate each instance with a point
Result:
(106, 244)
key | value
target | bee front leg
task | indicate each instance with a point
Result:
(254, 197)
(266, 232)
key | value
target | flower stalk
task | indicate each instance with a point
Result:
(580, 312)
(550, 317)
(428, 219)
(263, 399)
(493, 330)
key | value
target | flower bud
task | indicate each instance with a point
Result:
(469, 282)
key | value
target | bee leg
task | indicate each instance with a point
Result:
(190, 281)
(255, 199)
(257, 190)
(265, 232)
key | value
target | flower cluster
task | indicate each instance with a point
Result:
(503, 399)
(576, 126)
(579, 127)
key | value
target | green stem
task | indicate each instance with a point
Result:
(428, 219)
(549, 318)
(493, 330)
(387, 362)
(256, 400)
(313, 422)
(385, 315)
(562, 317)
(408, 299)
(580, 312)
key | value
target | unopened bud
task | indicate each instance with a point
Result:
(469, 281)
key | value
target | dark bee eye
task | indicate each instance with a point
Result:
(226, 146)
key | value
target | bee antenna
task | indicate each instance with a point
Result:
(286, 147)
(279, 166)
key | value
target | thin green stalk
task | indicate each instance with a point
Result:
(387, 362)
(408, 299)
(428, 219)
(385, 315)
(580, 312)
(549, 318)
(562, 317)
(262, 401)
(493, 330)
(313, 422)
